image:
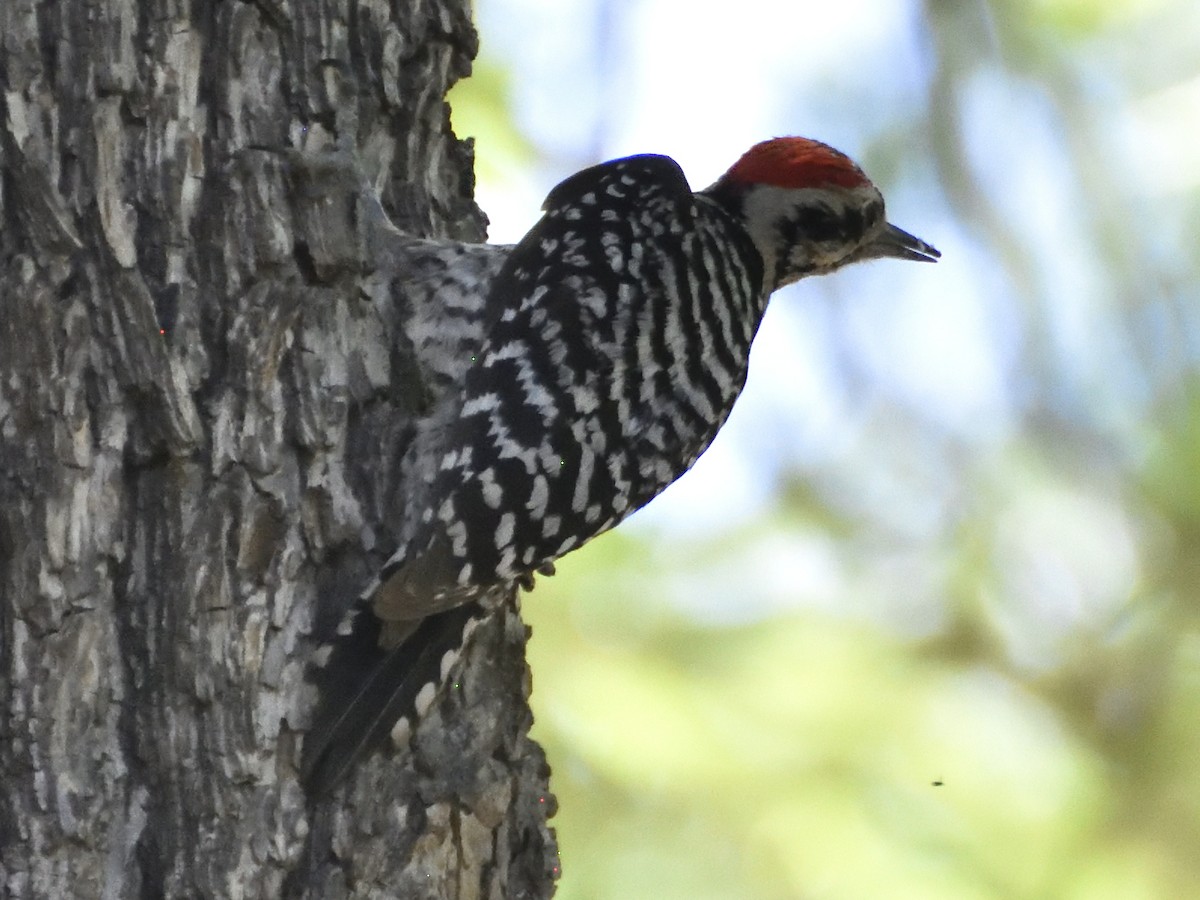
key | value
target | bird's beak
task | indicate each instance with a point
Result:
(898, 244)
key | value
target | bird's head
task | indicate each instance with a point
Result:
(809, 210)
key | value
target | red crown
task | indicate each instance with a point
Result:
(796, 162)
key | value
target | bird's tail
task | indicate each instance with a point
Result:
(365, 690)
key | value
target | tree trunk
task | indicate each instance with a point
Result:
(205, 392)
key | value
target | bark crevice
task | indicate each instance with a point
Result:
(205, 392)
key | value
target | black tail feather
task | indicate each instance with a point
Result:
(364, 689)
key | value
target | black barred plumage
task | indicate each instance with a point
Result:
(447, 310)
(580, 378)
(580, 409)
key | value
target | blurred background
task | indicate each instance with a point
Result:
(924, 622)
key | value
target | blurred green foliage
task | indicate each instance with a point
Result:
(1003, 701)
(482, 105)
(812, 755)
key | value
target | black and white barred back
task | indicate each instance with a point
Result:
(628, 313)
(612, 344)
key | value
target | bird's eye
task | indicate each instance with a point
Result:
(818, 223)
(873, 214)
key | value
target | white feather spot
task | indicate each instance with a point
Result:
(424, 698)
(539, 497)
(485, 403)
(587, 463)
(449, 658)
(397, 560)
(457, 532)
(493, 494)
(504, 531)
(401, 732)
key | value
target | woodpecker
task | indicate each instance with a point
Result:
(588, 367)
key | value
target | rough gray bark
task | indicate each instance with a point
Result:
(204, 396)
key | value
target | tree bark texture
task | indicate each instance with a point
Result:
(205, 392)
